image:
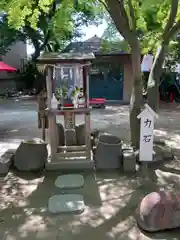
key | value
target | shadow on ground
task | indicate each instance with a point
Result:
(110, 198)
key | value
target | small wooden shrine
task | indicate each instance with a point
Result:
(67, 87)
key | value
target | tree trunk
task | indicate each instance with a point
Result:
(154, 77)
(136, 95)
(35, 55)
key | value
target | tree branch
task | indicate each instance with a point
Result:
(174, 30)
(104, 4)
(132, 15)
(46, 39)
(172, 17)
(48, 34)
(123, 13)
(118, 14)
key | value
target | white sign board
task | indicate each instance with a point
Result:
(147, 117)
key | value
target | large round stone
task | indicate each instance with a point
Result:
(31, 155)
(159, 211)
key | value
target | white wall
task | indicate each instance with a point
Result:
(14, 58)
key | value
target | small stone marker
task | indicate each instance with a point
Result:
(67, 203)
(147, 117)
(69, 181)
(129, 161)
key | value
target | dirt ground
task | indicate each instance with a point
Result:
(110, 198)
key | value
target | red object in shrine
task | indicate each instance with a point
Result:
(68, 105)
(97, 101)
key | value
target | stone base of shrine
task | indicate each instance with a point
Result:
(74, 164)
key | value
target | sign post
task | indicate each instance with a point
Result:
(147, 118)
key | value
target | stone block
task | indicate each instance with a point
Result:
(5, 162)
(129, 161)
(66, 203)
(160, 142)
(31, 155)
(61, 135)
(176, 152)
(108, 152)
(70, 137)
(163, 152)
(110, 139)
(127, 147)
(95, 133)
(167, 153)
(80, 134)
(157, 157)
(69, 181)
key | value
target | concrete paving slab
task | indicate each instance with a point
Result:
(67, 203)
(69, 181)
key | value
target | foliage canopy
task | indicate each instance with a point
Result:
(47, 24)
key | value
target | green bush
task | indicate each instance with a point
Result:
(31, 78)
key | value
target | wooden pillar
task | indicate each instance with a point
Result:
(52, 117)
(42, 118)
(88, 134)
(87, 115)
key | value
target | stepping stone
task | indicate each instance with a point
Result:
(69, 181)
(67, 203)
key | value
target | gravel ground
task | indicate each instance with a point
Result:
(19, 121)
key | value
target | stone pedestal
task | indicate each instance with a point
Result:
(61, 135)
(108, 152)
(127, 147)
(70, 137)
(31, 155)
(129, 161)
(80, 134)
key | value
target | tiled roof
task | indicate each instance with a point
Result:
(91, 45)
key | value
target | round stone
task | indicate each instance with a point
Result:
(69, 181)
(159, 211)
(67, 203)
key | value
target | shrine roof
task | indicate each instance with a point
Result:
(53, 58)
